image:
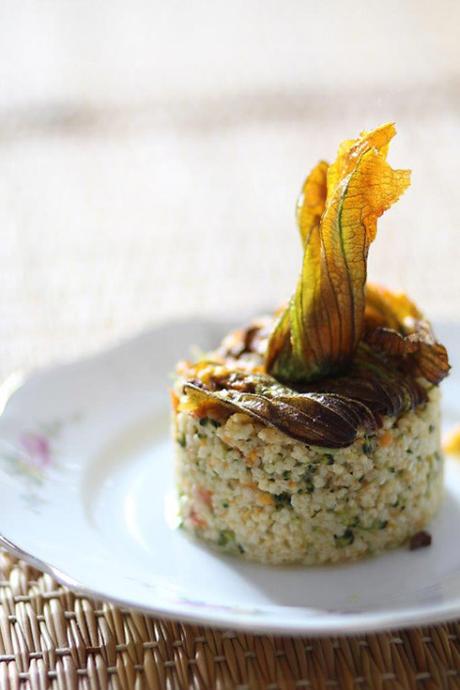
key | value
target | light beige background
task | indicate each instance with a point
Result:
(151, 154)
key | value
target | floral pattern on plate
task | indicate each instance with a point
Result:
(31, 457)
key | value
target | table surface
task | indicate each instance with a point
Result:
(53, 639)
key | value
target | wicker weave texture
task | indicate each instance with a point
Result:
(53, 638)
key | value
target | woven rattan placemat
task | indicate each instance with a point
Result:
(53, 638)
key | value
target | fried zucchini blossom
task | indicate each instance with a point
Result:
(337, 213)
(342, 354)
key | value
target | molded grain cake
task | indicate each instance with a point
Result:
(313, 435)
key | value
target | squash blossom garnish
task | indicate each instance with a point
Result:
(344, 353)
(319, 332)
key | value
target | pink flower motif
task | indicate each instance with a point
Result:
(37, 448)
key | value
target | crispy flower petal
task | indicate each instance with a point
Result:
(278, 355)
(312, 201)
(375, 385)
(310, 208)
(330, 413)
(395, 326)
(330, 421)
(324, 322)
(376, 382)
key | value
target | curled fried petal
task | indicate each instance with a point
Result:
(312, 200)
(324, 321)
(330, 421)
(377, 383)
(395, 326)
(252, 338)
(389, 309)
(351, 149)
(353, 413)
(330, 412)
(310, 207)
(278, 356)
(392, 342)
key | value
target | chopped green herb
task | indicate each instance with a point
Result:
(282, 500)
(240, 548)
(181, 440)
(431, 428)
(287, 474)
(309, 486)
(344, 539)
(383, 524)
(369, 445)
(204, 421)
(308, 478)
(355, 521)
(225, 504)
(329, 459)
(226, 536)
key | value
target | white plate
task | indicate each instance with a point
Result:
(86, 487)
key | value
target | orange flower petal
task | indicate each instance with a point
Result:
(324, 323)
